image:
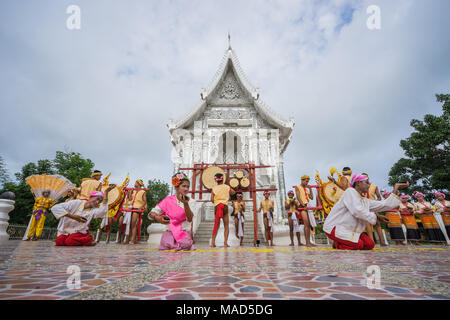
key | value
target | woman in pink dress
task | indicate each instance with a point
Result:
(173, 211)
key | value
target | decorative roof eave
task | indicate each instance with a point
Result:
(285, 126)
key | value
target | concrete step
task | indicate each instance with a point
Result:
(204, 232)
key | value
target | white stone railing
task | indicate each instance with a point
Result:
(6, 206)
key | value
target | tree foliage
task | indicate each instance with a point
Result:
(426, 164)
(158, 191)
(72, 166)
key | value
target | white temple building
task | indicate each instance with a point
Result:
(231, 124)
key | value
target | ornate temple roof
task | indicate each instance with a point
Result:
(230, 61)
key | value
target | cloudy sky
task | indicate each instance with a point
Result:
(108, 89)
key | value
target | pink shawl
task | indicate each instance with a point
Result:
(176, 214)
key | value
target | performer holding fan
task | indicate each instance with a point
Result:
(47, 190)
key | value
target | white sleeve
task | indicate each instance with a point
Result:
(157, 210)
(62, 209)
(101, 211)
(383, 205)
(354, 203)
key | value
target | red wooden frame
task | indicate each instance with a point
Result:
(250, 167)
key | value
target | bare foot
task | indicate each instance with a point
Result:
(28, 239)
(383, 245)
(212, 245)
(132, 242)
(93, 243)
(292, 244)
(310, 245)
(300, 244)
(226, 245)
(34, 239)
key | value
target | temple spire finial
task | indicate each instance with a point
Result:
(229, 41)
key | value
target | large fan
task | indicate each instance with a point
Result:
(56, 184)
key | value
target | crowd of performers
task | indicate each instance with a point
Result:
(350, 224)
(84, 204)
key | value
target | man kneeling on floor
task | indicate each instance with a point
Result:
(75, 216)
(347, 219)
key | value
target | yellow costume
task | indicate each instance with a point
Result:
(238, 207)
(221, 194)
(293, 204)
(303, 195)
(40, 212)
(138, 199)
(87, 187)
(372, 191)
(266, 205)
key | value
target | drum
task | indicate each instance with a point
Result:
(208, 177)
(245, 183)
(331, 192)
(234, 183)
(114, 196)
(239, 174)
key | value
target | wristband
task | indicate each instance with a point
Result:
(105, 199)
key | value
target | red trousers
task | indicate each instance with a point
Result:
(364, 242)
(74, 239)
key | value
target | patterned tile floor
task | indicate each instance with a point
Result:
(39, 270)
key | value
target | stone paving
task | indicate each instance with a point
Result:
(38, 271)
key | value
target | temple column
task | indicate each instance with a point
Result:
(197, 145)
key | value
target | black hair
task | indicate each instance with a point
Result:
(346, 169)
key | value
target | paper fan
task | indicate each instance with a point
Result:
(56, 184)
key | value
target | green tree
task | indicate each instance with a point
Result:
(158, 191)
(427, 150)
(72, 166)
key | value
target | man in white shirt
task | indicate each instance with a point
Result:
(348, 217)
(75, 216)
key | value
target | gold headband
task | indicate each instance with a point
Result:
(96, 174)
(305, 177)
(140, 182)
(347, 172)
